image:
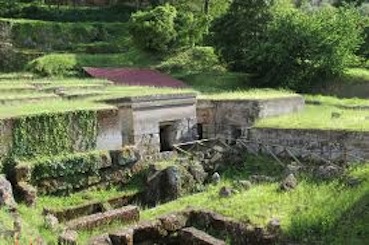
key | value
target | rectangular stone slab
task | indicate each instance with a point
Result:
(126, 214)
(193, 236)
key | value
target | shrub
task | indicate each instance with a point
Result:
(54, 65)
(117, 13)
(72, 64)
(288, 47)
(194, 60)
(47, 35)
(164, 28)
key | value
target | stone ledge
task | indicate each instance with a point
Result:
(191, 235)
(127, 214)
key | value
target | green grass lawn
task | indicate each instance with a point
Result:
(314, 213)
(334, 101)
(33, 218)
(320, 117)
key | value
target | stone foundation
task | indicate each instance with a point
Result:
(313, 144)
(232, 118)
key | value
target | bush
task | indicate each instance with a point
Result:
(54, 65)
(288, 47)
(164, 28)
(194, 60)
(72, 64)
(47, 35)
(117, 13)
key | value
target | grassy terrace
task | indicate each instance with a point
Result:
(320, 117)
(314, 213)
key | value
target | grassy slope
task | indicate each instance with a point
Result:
(324, 212)
(320, 117)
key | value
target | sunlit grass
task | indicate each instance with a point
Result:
(250, 94)
(49, 107)
(320, 117)
(334, 101)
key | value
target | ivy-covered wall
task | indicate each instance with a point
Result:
(67, 173)
(52, 134)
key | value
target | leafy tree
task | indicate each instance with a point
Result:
(289, 48)
(164, 28)
(240, 31)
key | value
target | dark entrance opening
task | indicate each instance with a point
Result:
(200, 131)
(166, 137)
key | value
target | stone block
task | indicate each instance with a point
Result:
(125, 214)
(123, 237)
(193, 236)
(148, 231)
(23, 172)
(28, 193)
(68, 237)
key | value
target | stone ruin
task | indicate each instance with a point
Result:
(191, 226)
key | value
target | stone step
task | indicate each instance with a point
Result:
(127, 214)
(193, 236)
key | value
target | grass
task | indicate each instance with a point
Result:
(320, 117)
(312, 213)
(49, 107)
(33, 217)
(251, 94)
(334, 101)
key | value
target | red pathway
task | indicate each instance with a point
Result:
(135, 77)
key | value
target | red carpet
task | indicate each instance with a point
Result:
(135, 77)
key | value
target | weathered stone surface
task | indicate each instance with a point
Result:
(148, 231)
(68, 237)
(329, 171)
(289, 183)
(194, 236)
(123, 237)
(126, 214)
(173, 222)
(23, 172)
(51, 222)
(100, 240)
(243, 184)
(225, 191)
(215, 178)
(315, 144)
(6, 193)
(28, 192)
(274, 225)
(259, 178)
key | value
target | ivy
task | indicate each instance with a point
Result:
(54, 134)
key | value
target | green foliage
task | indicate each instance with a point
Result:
(53, 65)
(164, 28)
(72, 64)
(193, 60)
(44, 35)
(288, 47)
(37, 11)
(68, 166)
(52, 134)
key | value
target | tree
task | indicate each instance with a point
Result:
(288, 47)
(240, 31)
(164, 28)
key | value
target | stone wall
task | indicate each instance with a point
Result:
(313, 143)
(70, 173)
(109, 130)
(6, 137)
(231, 118)
(143, 117)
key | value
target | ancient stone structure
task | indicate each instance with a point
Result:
(191, 226)
(153, 123)
(232, 118)
(312, 144)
